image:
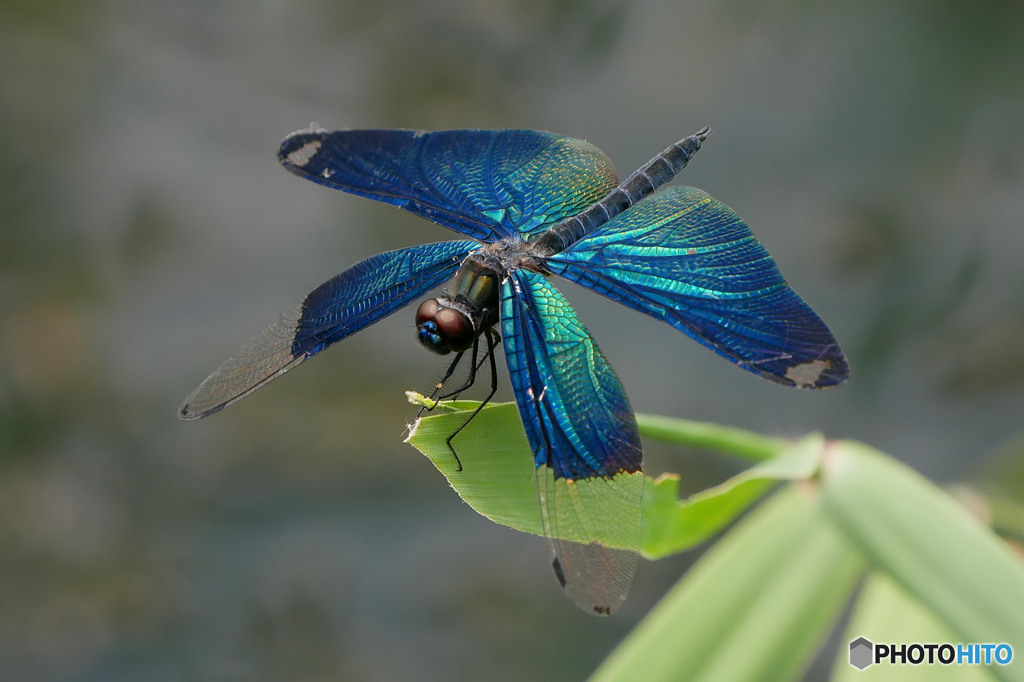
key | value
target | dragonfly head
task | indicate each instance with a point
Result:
(443, 328)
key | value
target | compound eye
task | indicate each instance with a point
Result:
(427, 310)
(455, 328)
(431, 340)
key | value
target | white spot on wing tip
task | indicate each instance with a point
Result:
(301, 156)
(806, 375)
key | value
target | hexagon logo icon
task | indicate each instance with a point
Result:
(861, 653)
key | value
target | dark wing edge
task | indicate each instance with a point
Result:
(365, 293)
(683, 257)
(585, 442)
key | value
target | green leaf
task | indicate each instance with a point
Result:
(755, 607)
(930, 546)
(886, 614)
(724, 439)
(498, 480)
(757, 603)
(672, 525)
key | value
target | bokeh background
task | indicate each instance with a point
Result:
(146, 230)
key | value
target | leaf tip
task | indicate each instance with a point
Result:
(417, 398)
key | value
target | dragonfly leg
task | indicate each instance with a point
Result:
(492, 339)
(495, 337)
(470, 380)
(440, 384)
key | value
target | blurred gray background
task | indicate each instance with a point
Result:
(146, 230)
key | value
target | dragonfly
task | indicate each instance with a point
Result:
(530, 205)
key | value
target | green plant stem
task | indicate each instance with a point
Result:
(739, 442)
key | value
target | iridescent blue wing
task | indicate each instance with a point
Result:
(485, 184)
(584, 439)
(341, 306)
(684, 257)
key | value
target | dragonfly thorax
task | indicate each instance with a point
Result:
(454, 320)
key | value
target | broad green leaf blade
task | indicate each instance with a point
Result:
(672, 525)
(927, 543)
(755, 607)
(886, 614)
(498, 481)
(497, 478)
